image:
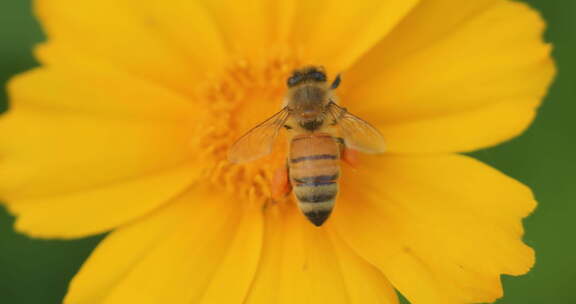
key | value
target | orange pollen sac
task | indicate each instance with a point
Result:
(244, 96)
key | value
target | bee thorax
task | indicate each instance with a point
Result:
(309, 95)
(311, 125)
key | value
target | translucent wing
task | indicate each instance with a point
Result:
(259, 141)
(357, 133)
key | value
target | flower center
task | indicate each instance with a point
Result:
(245, 96)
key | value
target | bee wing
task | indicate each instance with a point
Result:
(259, 141)
(357, 133)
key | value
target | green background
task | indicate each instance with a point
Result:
(38, 271)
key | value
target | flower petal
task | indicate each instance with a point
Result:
(126, 138)
(248, 28)
(304, 264)
(154, 40)
(98, 89)
(186, 253)
(45, 152)
(312, 30)
(100, 209)
(450, 223)
(372, 287)
(435, 66)
(336, 33)
(460, 131)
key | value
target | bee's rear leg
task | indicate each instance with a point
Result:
(347, 155)
(350, 157)
(281, 183)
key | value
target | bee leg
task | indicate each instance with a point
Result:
(281, 183)
(350, 157)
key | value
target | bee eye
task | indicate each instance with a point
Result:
(318, 76)
(294, 80)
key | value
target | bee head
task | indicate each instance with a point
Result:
(307, 74)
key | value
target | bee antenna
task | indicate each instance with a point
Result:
(336, 82)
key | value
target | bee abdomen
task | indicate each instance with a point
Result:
(316, 196)
(315, 180)
(317, 193)
(314, 172)
(313, 157)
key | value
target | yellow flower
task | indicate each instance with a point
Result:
(126, 124)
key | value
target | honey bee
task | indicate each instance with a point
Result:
(319, 132)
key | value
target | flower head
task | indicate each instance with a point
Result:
(127, 124)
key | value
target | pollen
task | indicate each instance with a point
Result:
(245, 95)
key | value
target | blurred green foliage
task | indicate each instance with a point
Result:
(38, 271)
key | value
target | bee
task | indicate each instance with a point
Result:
(319, 132)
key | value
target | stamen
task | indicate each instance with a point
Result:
(246, 92)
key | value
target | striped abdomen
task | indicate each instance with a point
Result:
(314, 168)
